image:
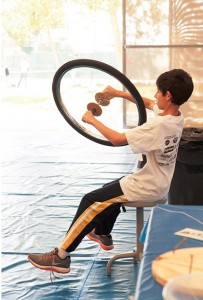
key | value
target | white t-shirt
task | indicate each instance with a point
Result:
(158, 139)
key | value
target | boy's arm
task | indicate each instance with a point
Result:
(110, 93)
(116, 138)
(148, 103)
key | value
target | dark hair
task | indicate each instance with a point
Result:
(178, 82)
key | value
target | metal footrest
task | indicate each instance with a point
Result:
(135, 255)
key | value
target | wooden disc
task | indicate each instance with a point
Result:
(101, 100)
(94, 108)
(178, 262)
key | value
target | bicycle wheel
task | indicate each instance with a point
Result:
(69, 87)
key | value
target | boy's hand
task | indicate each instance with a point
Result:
(109, 92)
(88, 117)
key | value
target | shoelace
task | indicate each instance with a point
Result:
(52, 273)
(52, 253)
(52, 281)
(58, 285)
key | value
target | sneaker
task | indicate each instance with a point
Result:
(105, 242)
(50, 262)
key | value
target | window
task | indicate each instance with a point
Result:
(162, 35)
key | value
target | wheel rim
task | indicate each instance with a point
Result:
(56, 85)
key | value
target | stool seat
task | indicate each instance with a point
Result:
(146, 203)
(136, 254)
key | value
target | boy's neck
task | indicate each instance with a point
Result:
(171, 109)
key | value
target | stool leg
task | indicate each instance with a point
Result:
(136, 255)
(139, 227)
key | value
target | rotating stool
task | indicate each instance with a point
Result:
(136, 254)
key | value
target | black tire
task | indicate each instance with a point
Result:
(102, 67)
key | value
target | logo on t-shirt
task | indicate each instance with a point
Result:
(169, 154)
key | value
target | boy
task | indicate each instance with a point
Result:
(158, 139)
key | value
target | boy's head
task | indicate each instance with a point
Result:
(178, 82)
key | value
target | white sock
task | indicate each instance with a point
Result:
(62, 253)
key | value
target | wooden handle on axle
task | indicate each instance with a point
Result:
(101, 100)
(94, 108)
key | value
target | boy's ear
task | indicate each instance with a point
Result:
(169, 96)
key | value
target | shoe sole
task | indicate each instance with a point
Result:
(107, 248)
(50, 268)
